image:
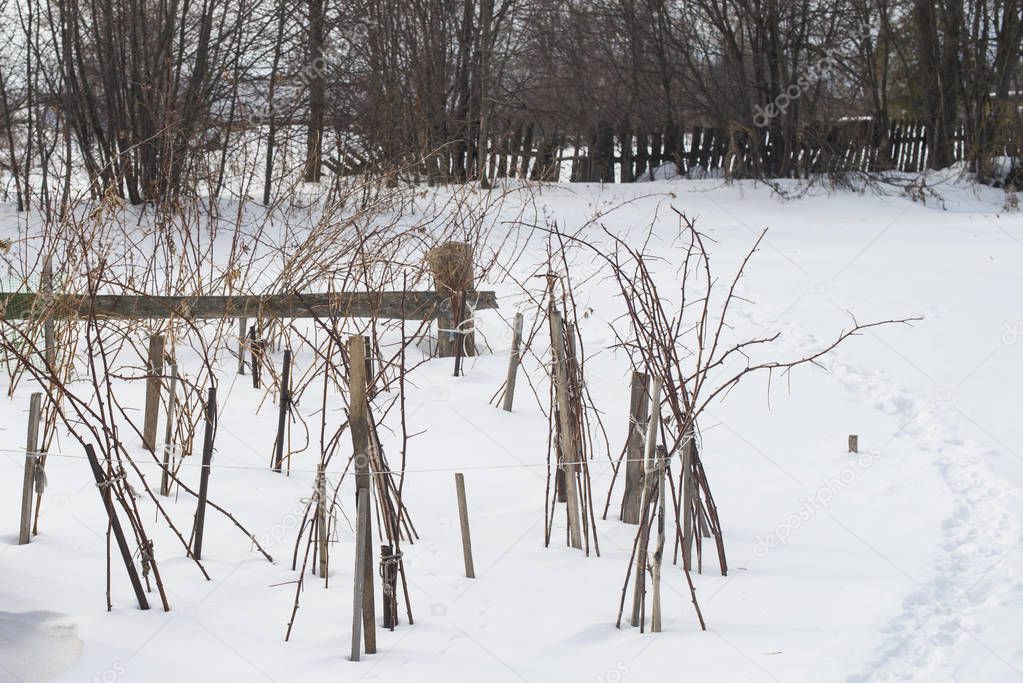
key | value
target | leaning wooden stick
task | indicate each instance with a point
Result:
(104, 484)
(31, 457)
(204, 477)
(283, 409)
(513, 362)
(463, 520)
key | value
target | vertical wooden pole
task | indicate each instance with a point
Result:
(48, 330)
(204, 477)
(688, 496)
(242, 325)
(370, 369)
(168, 432)
(321, 518)
(513, 362)
(653, 429)
(358, 597)
(655, 569)
(566, 433)
(358, 419)
(854, 443)
(115, 525)
(154, 381)
(463, 520)
(31, 457)
(255, 350)
(638, 409)
(284, 407)
(388, 585)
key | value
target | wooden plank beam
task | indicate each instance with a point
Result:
(408, 305)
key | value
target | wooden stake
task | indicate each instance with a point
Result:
(204, 477)
(321, 518)
(566, 433)
(284, 404)
(854, 443)
(361, 520)
(48, 330)
(638, 409)
(655, 568)
(154, 381)
(463, 520)
(389, 585)
(31, 458)
(168, 432)
(513, 362)
(653, 428)
(370, 370)
(242, 325)
(255, 350)
(689, 493)
(115, 525)
(358, 419)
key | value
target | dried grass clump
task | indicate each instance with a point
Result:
(451, 265)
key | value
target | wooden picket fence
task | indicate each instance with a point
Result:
(528, 150)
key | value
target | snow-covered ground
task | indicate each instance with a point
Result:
(902, 563)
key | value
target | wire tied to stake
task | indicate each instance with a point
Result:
(385, 563)
(120, 475)
(39, 476)
(464, 328)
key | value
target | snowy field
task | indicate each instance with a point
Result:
(900, 564)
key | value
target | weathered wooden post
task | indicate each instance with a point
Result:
(638, 408)
(463, 520)
(154, 380)
(31, 458)
(689, 493)
(370, 366)
(46, 288)
(358, 419)
(388, 585)
(452, 268)
(566, 433)
(204, 477)
(284, 407)
(653, 428)
(655, 568)
(104, 484)
(242, 324)
(322, 519)
(255, 351)
(168, 432)
(359, 592)
(854, 443)
(513, 362)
